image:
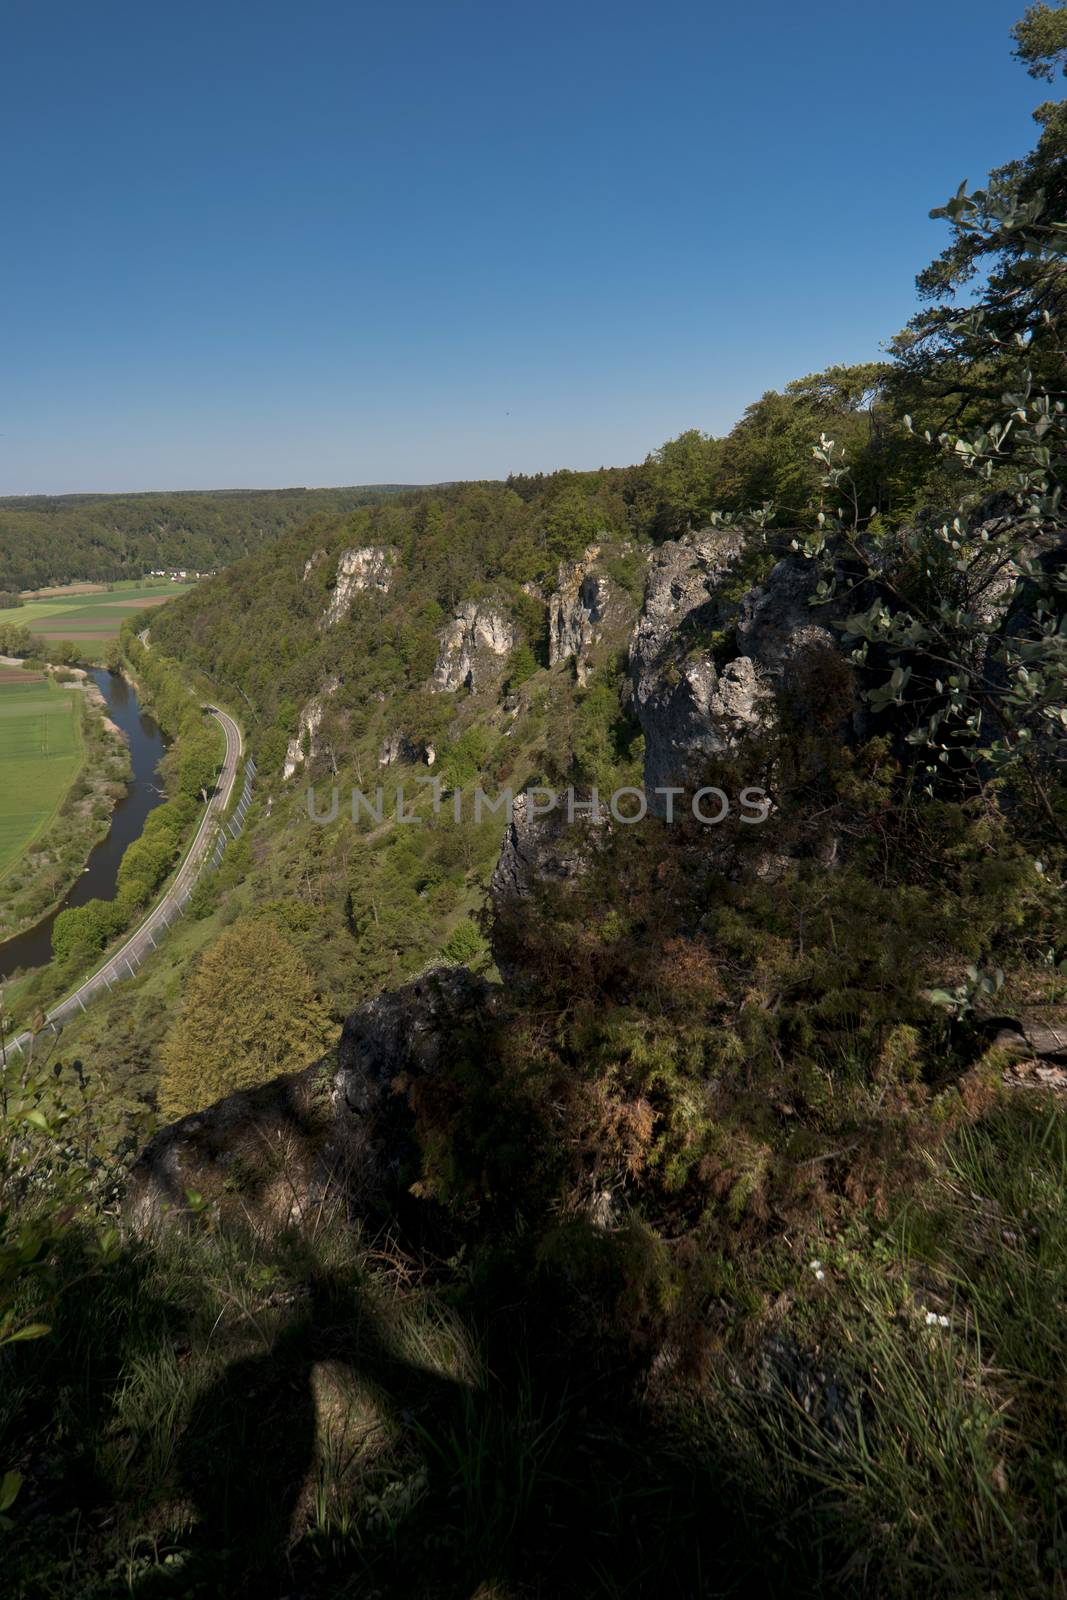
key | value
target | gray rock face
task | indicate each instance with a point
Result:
(779, 629)
(312, 562)
(542, 848)
(370, 567)
(568, 620)
(307, 729)
(584, 607)
(335, 1133)
(537, 849)
(398, 747)
(687, 709)
(692, 710)
(472, 648)
(1042, 1037)
(401, 1035)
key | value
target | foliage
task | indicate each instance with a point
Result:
(250, 1012)
(198, 760)
(50, 540)
(734, 1256)
(684, 480)
(80, 933)
(466, 945)
(967, 627)
(15, 640)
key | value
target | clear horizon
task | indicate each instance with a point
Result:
(430, 245)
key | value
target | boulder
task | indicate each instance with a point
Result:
(1043, 1037)
(339, 1132)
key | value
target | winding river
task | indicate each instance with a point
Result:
(145, 791)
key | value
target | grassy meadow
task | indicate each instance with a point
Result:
(89, 615)
(41, 751)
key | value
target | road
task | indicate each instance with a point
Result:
(125, 961)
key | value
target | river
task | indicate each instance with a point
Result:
(145, 791)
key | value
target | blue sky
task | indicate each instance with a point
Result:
(324, 243)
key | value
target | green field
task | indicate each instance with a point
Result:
(40, 754)
(89, 618)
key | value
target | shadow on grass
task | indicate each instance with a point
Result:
(541, 1483)
(544, 1480)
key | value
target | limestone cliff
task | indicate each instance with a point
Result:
(693, 705)
(472, 648)
(307, 729)
(585, 608)
(399, 748)
(370, 567)
(348, 1127)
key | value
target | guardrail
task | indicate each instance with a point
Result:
(126, 962)
(235, 826)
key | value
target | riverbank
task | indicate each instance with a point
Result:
(77, 814)
(142, 793)
(36, 993)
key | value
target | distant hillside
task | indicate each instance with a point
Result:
(48, 539)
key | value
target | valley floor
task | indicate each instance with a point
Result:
(41, 753)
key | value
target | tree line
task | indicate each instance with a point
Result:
(56, 539)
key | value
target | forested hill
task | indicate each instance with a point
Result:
(49, 539)
(612, 1198)
(257, 628)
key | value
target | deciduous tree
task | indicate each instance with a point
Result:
(250, 1013)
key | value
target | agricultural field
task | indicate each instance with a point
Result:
(89, 615)
(41, 750)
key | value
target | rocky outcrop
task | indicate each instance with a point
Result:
(370, 567)
(312, 562)
(540, 848)
(341, 1131)
(778, 628)
(399, 1037)
(473, 647)
(689, 711)
(1042, 1037)
(398, 747)
(303, 741)
(584, 607)
(693, 705)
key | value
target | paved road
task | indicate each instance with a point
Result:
(128, 957)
